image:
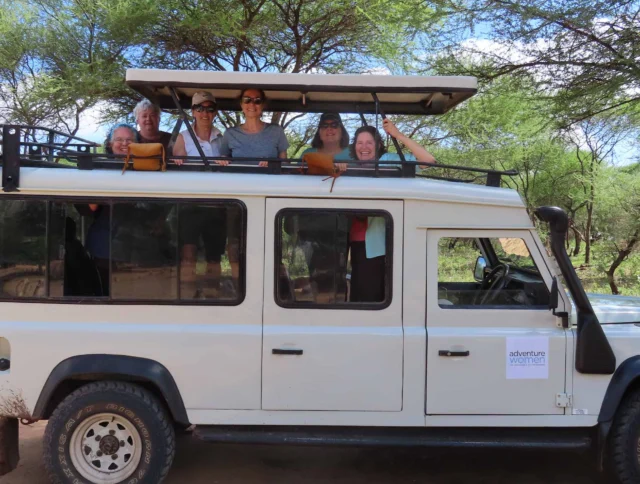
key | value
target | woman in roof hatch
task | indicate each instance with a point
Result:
(254, 138)
(368, 145)
(204, 110)
(367, 235)
(331, 138)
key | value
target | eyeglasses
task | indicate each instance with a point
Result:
(201, 109)
(123, 140)
(333, 125)
(252, 100)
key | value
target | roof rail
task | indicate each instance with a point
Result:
(53, 149)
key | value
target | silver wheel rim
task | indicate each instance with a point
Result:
(105, 448)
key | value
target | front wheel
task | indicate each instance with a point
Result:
(624, 442)
(109, 433)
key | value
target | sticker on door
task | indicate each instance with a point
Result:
(528, 358)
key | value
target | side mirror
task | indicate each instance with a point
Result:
(478, 271)
(553, 297)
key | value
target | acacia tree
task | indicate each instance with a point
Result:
(59, 58)
(594, 141)
(619, 218)
(506, 127)
(584, 54)
(294, 36)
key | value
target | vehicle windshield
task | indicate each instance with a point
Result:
(514, 252)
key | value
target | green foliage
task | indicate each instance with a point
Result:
(584, 54)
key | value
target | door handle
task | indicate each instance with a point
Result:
(280, 351)
(453, 353)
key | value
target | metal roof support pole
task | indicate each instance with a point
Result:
(183, 116)
(51, 137)
(408, 170)
(10, 158)
(85, 162)
(175, 132)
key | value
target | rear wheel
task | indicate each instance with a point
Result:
(624, 443)
(109, 433)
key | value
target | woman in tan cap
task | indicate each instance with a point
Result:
(204, 110)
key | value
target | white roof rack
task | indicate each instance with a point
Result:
(344, 93)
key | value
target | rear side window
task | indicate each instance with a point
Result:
(333, 258)
(139, 251)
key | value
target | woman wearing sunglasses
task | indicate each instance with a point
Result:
(331, 138)
(254, 138)
(204, 110)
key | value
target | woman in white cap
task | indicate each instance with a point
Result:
(204, 110)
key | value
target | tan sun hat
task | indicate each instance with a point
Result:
(202, 96)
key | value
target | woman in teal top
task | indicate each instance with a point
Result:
(368, 234)
(331, 138)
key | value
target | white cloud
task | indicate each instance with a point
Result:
(91, 126)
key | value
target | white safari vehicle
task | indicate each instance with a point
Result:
(134, 304)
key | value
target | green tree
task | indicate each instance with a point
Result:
(595, 140)
(584, 54)
(619, 219)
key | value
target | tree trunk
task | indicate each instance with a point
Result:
(9, 452)
(587, 234)
(578, 241)
(622, 255)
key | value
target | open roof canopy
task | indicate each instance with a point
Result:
(344, 93)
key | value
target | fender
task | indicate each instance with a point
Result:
(624, 376)
(114, 367)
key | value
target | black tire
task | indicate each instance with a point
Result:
(624, 442)
(125, 401)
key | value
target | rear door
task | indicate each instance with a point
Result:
(331, 342)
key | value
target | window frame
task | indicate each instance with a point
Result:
(345, 305)
(92, 300)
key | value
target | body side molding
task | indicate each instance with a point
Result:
(114, 367)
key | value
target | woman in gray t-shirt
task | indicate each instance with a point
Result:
(255, 138)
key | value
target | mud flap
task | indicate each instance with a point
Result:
(9, 451)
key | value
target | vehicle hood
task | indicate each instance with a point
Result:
(615, 309)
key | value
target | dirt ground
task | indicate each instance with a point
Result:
(200, 463)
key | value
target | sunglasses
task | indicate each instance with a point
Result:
(333, 125)
(252, 100)
(201, 109)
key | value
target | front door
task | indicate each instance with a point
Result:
(333, 337)
(493, 345)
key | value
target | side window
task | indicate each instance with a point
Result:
(148, 251)
(488, 273)
(23, 249)
(333, 258)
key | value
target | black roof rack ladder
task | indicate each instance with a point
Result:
(10, 158)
